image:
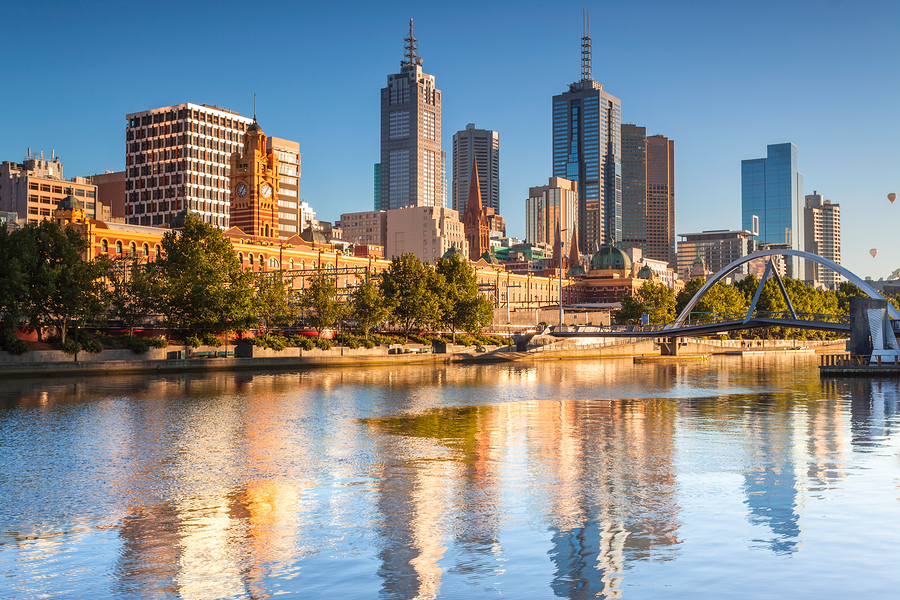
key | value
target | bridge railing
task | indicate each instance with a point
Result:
(857, 360)
(723, 317)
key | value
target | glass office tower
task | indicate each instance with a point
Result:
(772, 189)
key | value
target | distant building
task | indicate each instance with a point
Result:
(648, 193)
(307, 217)
(111, 191)
(34, 188)
(177, 157)
(425, 231)
(290, 212)
(549, 206)
(715, 249)
(822, 228)
(410, 172)
(772, 189)
(482, 148)
(368, 228)
(587, 150)
(254, 180)
(377, 203)
(475, 222)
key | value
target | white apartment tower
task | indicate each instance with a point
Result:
(822, 228)
(410, 172)
(482, 147)
(290, 212)
(178, 157)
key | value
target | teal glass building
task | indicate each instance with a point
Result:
(772, 189)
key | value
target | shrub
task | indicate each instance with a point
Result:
(193, 341)
(369, 344)
(136, 344)
(12, 344)
(209, 339)
(276, 342)
(323, 344)
(158, 342)
(86, 343)
(307, 343)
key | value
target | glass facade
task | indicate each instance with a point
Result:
(586, 149)
(772, 189)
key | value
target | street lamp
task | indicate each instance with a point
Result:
(562, 245)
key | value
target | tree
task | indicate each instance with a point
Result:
(463, 307)
(323, 310)
(203, 283)
(273, 301)
(12, 291)
(687, 293)
(652, 298)
(723, 301)
(134, 291)
(369, 307)
(408, 285)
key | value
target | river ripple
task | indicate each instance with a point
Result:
(739, 478)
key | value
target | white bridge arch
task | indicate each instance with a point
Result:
(850, 276)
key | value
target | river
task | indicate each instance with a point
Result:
(734, 477)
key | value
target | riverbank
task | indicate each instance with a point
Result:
(541, 348)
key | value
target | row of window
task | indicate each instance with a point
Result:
(132, 249)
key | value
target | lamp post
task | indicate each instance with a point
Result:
(562, 245)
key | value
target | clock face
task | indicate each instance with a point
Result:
(266, 190)
(242, 190)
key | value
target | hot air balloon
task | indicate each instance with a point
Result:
(873, 252)
(892, 196)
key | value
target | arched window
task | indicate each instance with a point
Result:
(292, 264)
(104, 246)
(250, 257)
(329, 267)
(302, 264)
(132, 247)
(145, 251)
(273, 263)
(156, 251)
(118, 247)
(241, 258)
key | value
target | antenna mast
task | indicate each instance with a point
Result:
(254, 108)
(586, 47)
(412, 48)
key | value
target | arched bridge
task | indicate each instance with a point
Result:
(683, 326)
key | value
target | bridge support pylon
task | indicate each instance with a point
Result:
(668, 346)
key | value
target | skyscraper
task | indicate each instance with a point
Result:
(177, 157)
(290, 220)
(823, 237)
(410, 135)
(634, 186)
(586, 149)
(551, 208)
(772, 189)
(661, 199)
(482, 147)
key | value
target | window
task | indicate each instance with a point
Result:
(132, 248)
(104, 246)
(145, 251)
(156, 251)
(273, 263)
(118, 247)
(250, 257)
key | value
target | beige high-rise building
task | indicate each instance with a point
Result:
(33, 189)
(290, 217)
(178, 157)
(548, 206)
(822, 229)
(425, 231)
(410, 172)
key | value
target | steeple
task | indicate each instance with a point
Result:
(574, 256)
(474, 191)
(586, 47)
(411, 55)
(475, 223)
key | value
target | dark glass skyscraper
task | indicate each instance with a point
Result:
(772, 189)
(586, 149)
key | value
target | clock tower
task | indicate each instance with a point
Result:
(254, 186)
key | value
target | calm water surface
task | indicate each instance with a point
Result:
(733, 478)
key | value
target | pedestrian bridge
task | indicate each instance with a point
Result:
(684, 326)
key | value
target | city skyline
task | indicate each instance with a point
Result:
(734, 82)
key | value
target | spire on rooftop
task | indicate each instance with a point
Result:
(585, 47)
(411, 55)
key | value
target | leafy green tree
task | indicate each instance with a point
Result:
(689, 291)
(464, 309)
(204, 286)
(409, 285)
(60, 287)
(722, 301)
(369, 307)
(274, 302)
(652, 298)
(847, 290)
(319, 299)
(134, 291)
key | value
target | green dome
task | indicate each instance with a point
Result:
(576, 271)
(610, 257)
(645, 273)
(70, 203)
(312, 236)
(451, 252)
(489, 258)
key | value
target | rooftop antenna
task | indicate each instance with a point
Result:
(254, 108)
(586, 47)
(412, 48)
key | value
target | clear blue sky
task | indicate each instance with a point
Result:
(722, 79)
